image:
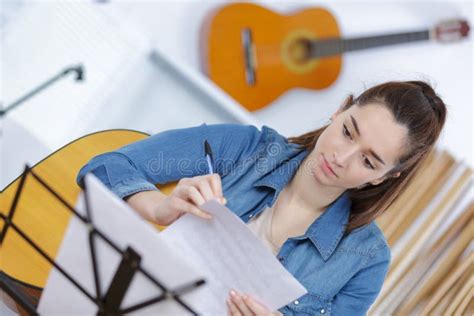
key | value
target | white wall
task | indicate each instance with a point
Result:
(174, 26)
(124, 89)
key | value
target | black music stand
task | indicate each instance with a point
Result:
(107, 303)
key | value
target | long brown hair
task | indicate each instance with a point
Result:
(413, 104)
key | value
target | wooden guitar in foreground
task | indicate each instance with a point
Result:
(255, 54)
(41, 216)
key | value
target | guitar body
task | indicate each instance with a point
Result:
(42, 217)
(274, 51)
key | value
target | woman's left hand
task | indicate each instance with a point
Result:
(244, 305)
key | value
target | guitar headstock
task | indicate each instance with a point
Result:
(450, 30)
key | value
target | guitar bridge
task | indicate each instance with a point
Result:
(249, 56)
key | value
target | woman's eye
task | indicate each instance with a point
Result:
(368, 164)
(345, 131)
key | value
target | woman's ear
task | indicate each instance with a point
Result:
(333, 116)
(349, 100)
(377, 182)
(339, 111)
(380, 180)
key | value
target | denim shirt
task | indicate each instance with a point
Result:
(342, 273)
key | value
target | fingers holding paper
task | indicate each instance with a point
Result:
(245, 305)
(185, 198)
(200, 189)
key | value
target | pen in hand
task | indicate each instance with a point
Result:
(208, 151)
(210, 160)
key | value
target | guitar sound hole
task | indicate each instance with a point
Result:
(299, 50)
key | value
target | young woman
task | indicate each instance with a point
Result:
(311, 199)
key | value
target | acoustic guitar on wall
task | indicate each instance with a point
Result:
(255, 54)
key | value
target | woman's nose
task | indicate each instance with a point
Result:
(336, 160)
(341, 158)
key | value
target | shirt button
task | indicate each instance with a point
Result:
(250, 215)
(297, 302)
(323, 311)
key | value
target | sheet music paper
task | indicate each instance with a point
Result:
(231, 256)
(125, 227)
(223, 251)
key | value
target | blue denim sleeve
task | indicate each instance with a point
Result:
(356, 297)
(171, 155)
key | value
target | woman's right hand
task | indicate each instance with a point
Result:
(186, 197)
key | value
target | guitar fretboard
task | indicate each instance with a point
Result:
(336, 46)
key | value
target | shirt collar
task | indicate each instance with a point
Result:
(328, 229)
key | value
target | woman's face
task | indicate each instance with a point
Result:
(352, 143)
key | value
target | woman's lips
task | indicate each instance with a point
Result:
(327, 166)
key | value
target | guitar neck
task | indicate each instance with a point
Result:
(336, 46)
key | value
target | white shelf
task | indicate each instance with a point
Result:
(207, 89)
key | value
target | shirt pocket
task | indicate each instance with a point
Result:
(310, 304)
